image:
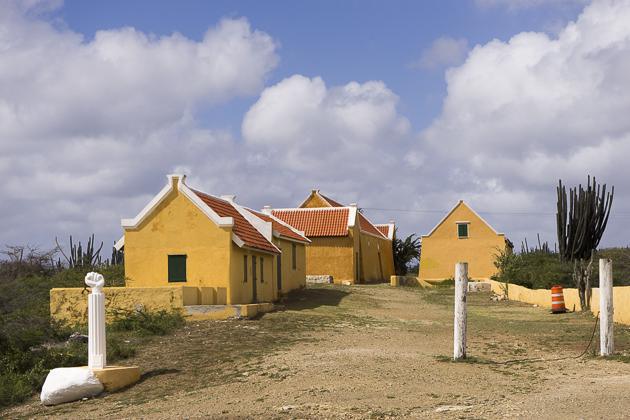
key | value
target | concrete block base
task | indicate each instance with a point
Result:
(251, 310)
(114, 378)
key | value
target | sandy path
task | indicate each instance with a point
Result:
(371, 352)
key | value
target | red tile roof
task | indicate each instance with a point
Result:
(384, 229)
(367, 226)
(364, 223)
(279, 227)
(242, 228)
(316, 222)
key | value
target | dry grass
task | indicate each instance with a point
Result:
(361, 341)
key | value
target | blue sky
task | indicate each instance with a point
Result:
(409, 105)
(338, 40)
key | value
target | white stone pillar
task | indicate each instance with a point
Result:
(606, 310)
(97, 358)
(459, 324)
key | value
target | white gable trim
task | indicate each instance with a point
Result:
(267, 212)
(461, 202)
(119, 243)
(188, 193)
(265, 228)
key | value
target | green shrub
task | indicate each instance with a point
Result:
(541, 270)
(535, 270)
(31, 344)
(147, 323)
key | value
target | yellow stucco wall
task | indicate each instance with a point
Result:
(338, 256)
(177, 226)
(243, 291)
(292, 279)
(314, 201)
(542, 298)
(377, 259)
(331, 256)
(443, 249)
(69, 305)
(214, 263)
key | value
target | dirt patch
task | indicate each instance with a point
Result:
(371, 352)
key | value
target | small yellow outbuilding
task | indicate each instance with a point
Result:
(462, 235)
(344, 243)
(232, 254)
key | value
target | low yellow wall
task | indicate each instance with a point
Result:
(542, 298)
(69, 305)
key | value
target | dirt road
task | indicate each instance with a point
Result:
(371, 352)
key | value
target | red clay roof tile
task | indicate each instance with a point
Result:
(281, 228)
(384, 229)
(242, 228)
(316, 222)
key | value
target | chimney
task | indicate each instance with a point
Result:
(353, 204)
(266, 210)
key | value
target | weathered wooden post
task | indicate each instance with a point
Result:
(606, 310)
(459, 325)
(97, 356)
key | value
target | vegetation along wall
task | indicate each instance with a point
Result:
(542, 298)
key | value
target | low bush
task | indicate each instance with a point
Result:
(31, 344)
(147, 323)
(541, 270)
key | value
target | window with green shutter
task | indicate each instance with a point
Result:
(462, 230)
(293, 256)
(262, 270)
(177, 268)
(244, 268)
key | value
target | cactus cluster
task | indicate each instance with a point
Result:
(581, 220)
(542, 247)
(80, 257)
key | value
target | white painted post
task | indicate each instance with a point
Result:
(459, 325)
(606, 310)
(97, 357)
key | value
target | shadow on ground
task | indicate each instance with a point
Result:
(315, 297)
(156, 372)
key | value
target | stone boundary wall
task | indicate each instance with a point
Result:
(542, 298)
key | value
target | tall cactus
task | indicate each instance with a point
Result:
(82, 258)
(581, 221)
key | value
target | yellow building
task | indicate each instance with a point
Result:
(344, 243)
(462, 235)
(232, 254)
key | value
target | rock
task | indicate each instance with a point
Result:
(452, 408)
(479, 286)
(78, 338)
(69, 384)
(321, 279)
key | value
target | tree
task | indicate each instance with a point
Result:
(405, 251)
(581, 223)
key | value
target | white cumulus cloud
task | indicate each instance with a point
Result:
(87, 124)
(522, 113)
